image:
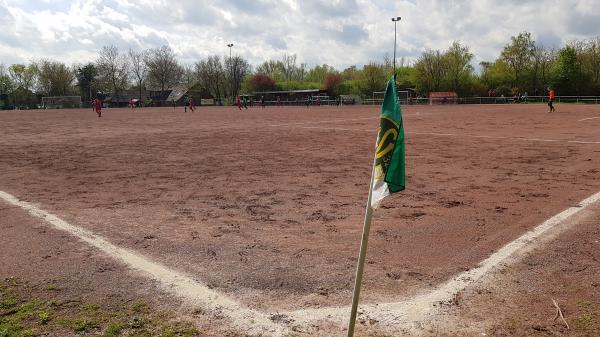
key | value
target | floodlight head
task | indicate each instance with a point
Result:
(396, 19)
(230, 45)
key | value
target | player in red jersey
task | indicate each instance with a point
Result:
(192, 104)
(98, 106)
(238, 102)
(551, 100)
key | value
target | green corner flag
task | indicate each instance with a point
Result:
(389, 168)
(387, 178)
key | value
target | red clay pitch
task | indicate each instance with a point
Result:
(266, 205)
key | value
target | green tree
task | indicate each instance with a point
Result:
(430, 71)
(6, 85)
(590, 62)
(543, 60)
(54, 78)
(24, 79)
(372, 79)
(273, 69)
(459, 71)
(568, 77)
(86, 80)
(518, 55)
(319, 72)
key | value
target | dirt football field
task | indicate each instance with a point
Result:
(249, 222)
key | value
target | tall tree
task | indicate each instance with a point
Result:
(430, 71)
(24, 79)
(569, 79)
(273, 69)
(86, 80)
(23, 76)
(236, 69)
(189, 77)
(6, 85)
(212, 75)
(113, 70)
(459, 70)
(289, 67)
(542, 63)
(54, 78)
(163, 69)
(590, 61)
(319, 72)
(372, 78)
(139, 69)
(518, 54)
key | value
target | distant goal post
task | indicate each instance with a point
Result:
(403, 95)
(61, 102)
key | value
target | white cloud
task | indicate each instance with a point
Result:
(337, 32)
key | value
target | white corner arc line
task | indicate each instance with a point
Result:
(392, 315)
(242, 318)
(419, 307)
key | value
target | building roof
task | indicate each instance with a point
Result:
(177, 92)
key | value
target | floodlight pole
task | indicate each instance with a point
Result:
(231, 65)
(395, 20)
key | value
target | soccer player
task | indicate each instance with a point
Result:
(238, 102)
(192, 104)
(98, 106)
(186, 102)
(262, 101)
(551, 100)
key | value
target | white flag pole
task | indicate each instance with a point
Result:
(361, 257)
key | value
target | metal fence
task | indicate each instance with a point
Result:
(495, 100)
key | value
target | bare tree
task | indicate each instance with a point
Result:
(272, 68)
(139, 69)
(212, 75)
(542, 62)
(113, 69)
(236, 69)
(190, 78)
(289, 66)
(163, 69)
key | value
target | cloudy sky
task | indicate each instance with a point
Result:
(336, 32)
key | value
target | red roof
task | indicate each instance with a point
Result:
(442, 94)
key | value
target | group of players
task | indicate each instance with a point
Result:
(189, 102)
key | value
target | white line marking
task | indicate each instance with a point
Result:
(587, 119)
(242, 318)
(342, 120)
(389, 315)
(455, 135)
(419, 307)
(326, 121)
